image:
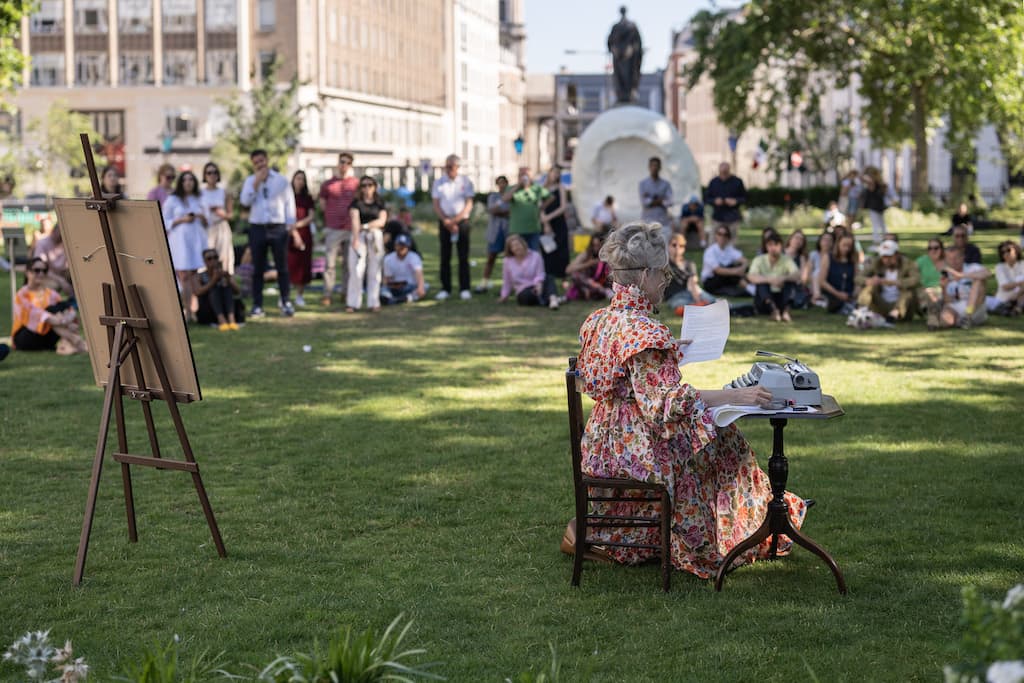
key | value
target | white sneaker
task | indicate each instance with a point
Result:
(553, 303)
(465, 295)
(442, 295)
(299, 301)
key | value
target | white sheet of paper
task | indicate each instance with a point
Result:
(708, 327)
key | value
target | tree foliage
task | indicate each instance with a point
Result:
(912, 61)
(55, 158)
(12, 60)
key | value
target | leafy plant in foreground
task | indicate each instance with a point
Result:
(993, 641)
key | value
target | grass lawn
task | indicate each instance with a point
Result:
(417, 461)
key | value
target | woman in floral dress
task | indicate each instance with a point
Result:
(648, 425)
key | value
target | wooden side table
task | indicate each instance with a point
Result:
(776, 520)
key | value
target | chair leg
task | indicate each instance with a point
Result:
(580, 549)
(666, 541)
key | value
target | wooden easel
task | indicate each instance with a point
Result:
(128, 327)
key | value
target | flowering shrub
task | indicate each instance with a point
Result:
(34, 652)
(993, 640)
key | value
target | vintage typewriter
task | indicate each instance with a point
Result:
(791, 384)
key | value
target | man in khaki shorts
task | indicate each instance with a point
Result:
(336, 196)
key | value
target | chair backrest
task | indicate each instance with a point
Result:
(575, 403)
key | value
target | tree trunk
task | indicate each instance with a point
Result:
(919, 182)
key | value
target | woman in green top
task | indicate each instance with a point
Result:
(931, 266)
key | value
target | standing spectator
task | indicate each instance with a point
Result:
(961, 217)
(524, 209)
(336, 196)
(164, 183)
(931, 265)
(553, 219)
(774, 276)
(656, 198)
(522, 274)
(724, 267)
(217, 206)
(271, 202)
(110, 181)
(726, 194)
(837, 275)
(691, 219)
(453, 202)
(682, 289)
(368, 216)
(185, 223)
(875, 198)
(821, 249)
(216, 291)
(1010, 279)
(403, 274)
(849, 194)
(963, 288)
(972, 254)
(603, 217)
(589, 274)
(41, 319)
(889, 285)
(497, 230)
(796, 249)
(300, 248)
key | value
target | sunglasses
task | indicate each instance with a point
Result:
(367, 185)
(40, 271)
(212, 171)
(934, 247)
(723, 234)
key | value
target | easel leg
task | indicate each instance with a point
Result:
(126, 475)
(113, 390)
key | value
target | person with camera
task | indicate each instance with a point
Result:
(216, 290)
(42, 322)
(185, 222)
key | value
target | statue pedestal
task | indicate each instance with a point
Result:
(611, 159)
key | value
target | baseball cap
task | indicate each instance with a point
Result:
(403, 241)
(888, 248)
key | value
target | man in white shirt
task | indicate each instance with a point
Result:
(963, 291)
(271, 203)
(403, 274)
(724, 266)
(453, 202)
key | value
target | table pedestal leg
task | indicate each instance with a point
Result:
(776, 520)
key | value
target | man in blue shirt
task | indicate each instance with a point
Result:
(271, 203)
(726, 194)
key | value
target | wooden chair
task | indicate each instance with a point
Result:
(585, 520)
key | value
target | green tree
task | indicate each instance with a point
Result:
(913, 61)
(55, 158)
(12, 60)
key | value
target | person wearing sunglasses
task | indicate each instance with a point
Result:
(368, 215)
(165, 176)
(648, 423)
(42, 322)
(1010, 279)
(217, 207)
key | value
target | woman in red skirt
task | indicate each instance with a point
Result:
(300, 249)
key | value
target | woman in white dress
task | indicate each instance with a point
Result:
(185, 223)
(217, 208)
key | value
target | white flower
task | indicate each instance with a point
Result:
(1005, 672)
(1014, 597)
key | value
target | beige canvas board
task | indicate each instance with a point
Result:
(137, 229)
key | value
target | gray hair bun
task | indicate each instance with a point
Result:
(633, 247)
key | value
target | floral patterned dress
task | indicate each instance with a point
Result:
(647, 425)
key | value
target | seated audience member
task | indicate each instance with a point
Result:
(42, 322)
(931, 265)
(403, 274)
(497, 230)
(691, 219)
(821, 248)
(219, 295)
(889, 285)
(588, 274)
(972, 254)
(833, 216)
(796, 249)
(765, 234)
(858, 249)
(724, 268)
(774, 276)
(837, 275)
(682, 288)
(1010, 279)
(961, 217)
(603, 217)
(963, 288)
(522, 274)
(50, 248)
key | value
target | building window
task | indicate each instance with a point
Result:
(136, 68)
(266, 16)
(221, 67)
(465, 117)
(179, 16)
(503, 11)
(266, 62)
(179, 67)
(463, 37)
(179, 123)
(465, 77)
(47, 68)
(590, 100)
(134, 16)
(49, 18)
(91, 68)
(90, 16)
(221, 15)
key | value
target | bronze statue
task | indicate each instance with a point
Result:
(627, 53)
